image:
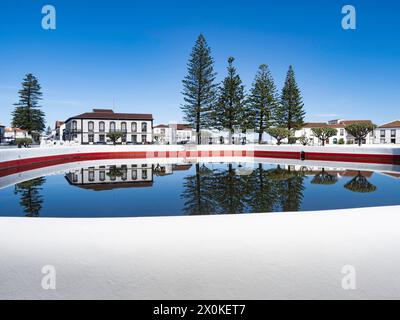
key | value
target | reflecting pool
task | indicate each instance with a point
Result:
(152, 189)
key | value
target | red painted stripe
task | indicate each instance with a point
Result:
(19, 165)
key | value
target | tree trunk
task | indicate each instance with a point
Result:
(260, 137)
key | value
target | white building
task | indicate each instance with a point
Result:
(173, 134)
(11, 134)
(93, 127)
(388, 133)
(342, 136)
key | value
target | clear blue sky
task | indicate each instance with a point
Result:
(135, 53)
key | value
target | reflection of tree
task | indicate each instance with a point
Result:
(223, 191)
(324, 178)
(229, 191)
(198, 193)
(31, 199)
(289, 186)
(115, 172)
(261, 192)
(360, 184)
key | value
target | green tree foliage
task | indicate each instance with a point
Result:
(27, 114)
(290, 111)
(199, 90)
(114, 136)
(324, 133)
(263, 100)
(30, 197)
(228, 111)
(360, 184)
(304, 140)
(360, 130)
(279, 134)
(23, 142)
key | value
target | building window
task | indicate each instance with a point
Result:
(134, 139)
(74, 177)
(393, 133)
(144, 138)
(91, 174)
(134, 174)
(134, 127)
(144, 174)
(383, 140)
(74, 125)
(123, 138)
(91, 138)
(123, 127)
(102, 126)
(102, 138)
(334, 140)
(124, 173)
(162, 131)
(382, 133)
(91, 126)
(144, 126)
(112, 126)
(342, 132)
(102, 175)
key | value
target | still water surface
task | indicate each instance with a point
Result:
(134, 190)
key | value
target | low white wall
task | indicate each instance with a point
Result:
(15, 154)
(264, 256)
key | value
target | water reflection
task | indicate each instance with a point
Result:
(360, 184)
(31, 199)
(205, 188)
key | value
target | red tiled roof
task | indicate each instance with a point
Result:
(183, 127)
(14, 130)
(59, 123)
(161, 126)
(108, 114)
(315, 125)
(348, 122)
(393, 124)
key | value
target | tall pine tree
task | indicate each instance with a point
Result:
(290, 111)
(263, 100)
(199, 88)
(27, 114)
(228, 111)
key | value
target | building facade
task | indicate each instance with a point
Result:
(342, 136)
(173, 134)
(2, 129)
(93, 127)
(388, 133)
(11, 134)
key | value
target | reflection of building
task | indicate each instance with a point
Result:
(388, 133)
(342, 137)
(93, 127)
(339, 172)
(112, 177)
(167, 169)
